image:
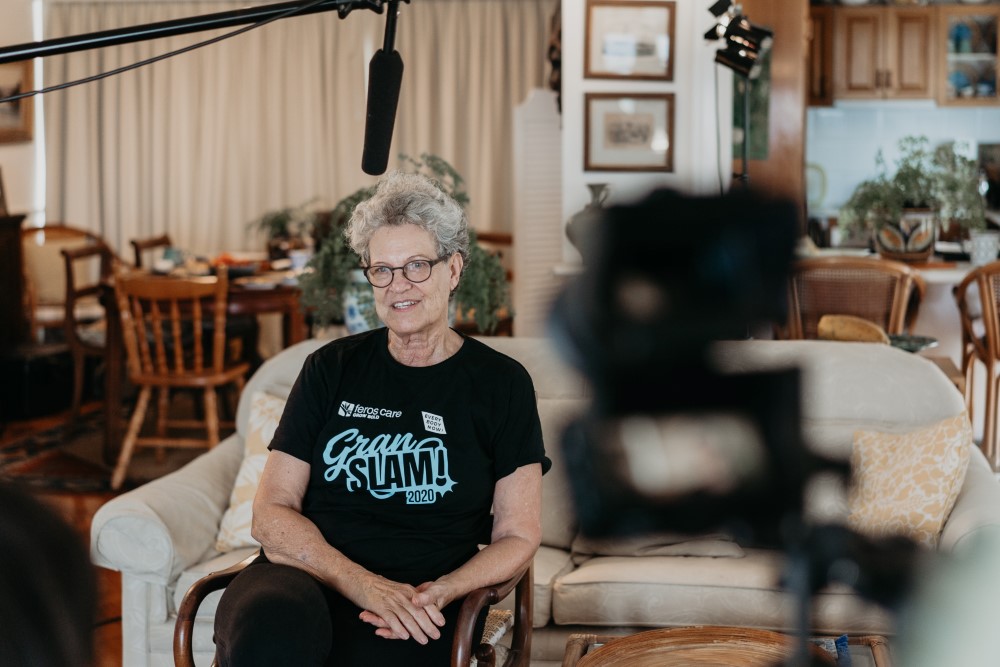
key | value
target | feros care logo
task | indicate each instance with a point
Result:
(348, 409)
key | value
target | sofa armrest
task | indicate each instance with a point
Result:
(978, 504)
(158, 530)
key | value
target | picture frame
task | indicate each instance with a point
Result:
(630, 39)
(628, 132)
(16, 117)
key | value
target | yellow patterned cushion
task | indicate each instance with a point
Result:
(234, 530)
(906, 484)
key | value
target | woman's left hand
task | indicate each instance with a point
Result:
(383, 630)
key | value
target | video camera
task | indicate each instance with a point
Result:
(672, 442)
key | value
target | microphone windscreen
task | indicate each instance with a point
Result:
(385, 75)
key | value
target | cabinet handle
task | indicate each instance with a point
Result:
(878, 79)
(888, 79)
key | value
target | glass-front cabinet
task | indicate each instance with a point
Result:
(968, 45)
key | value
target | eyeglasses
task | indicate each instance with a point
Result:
(416, 271)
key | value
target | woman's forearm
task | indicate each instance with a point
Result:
(288, 538)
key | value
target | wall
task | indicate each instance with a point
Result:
(696, 151)
(843, 140)
(17, 159)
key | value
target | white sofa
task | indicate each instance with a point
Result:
(161, 536)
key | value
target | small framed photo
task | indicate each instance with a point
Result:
(16, 116)
(628, 132)
(630, 39)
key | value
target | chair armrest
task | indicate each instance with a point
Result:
(468, 615)
(188, 610)
(160, 529)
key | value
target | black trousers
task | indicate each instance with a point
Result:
(279, 615)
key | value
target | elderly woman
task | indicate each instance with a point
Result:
(393, 447)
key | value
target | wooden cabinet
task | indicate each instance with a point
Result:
(884, 52)
(820, 72)
(968, 64)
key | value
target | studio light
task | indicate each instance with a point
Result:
(745, 43)
(720, 7)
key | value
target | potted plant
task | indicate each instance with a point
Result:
(902, 210)
(482, 292)
(956, 189)
(286, 229)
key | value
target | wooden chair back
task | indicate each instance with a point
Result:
(141, 246)
(980, 320)
(44, 271)
(163, 326)
(881, 291)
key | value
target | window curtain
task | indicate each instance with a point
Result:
(200, 145)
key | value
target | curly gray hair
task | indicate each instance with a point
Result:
(410, 199)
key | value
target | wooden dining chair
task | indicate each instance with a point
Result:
(167, 347)
(88, 271)
(884, 292)
(140, 247)
(45, 281)
(977, 296)
(465, 645)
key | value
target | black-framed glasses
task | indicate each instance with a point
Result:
(416, 271)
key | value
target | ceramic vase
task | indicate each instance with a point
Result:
(580, 226)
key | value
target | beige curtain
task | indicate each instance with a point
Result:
(201, 144)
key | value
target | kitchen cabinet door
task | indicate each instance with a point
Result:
(820, 56)
(883, 52)
(967, 37)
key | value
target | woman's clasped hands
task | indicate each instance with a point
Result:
(400, 611)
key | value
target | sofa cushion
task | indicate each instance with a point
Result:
(661, 591)
(549, 564)
(714, 545)
(234, 529)
(558, 515)
(907, 484)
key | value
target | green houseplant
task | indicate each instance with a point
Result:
(482, 292)
(286, 229)
(902, 210)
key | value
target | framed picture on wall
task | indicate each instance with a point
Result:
(629, 39)
(16, 116)
(628, 132)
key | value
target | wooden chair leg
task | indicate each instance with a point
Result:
(162, 411)
(212, 416)
(989, 445)
(78, 370)
(138, 416)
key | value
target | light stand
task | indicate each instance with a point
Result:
(745, 45)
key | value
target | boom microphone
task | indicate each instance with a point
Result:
(385, 76)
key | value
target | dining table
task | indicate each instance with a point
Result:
(254, 295)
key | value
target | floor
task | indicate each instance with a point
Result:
(65, 470)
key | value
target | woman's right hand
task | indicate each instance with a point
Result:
(388, 606)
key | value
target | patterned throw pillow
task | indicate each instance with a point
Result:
(234, 530)
(907, 484)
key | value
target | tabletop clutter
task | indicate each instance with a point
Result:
(245, 269)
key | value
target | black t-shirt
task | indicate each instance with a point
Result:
(404, 459)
